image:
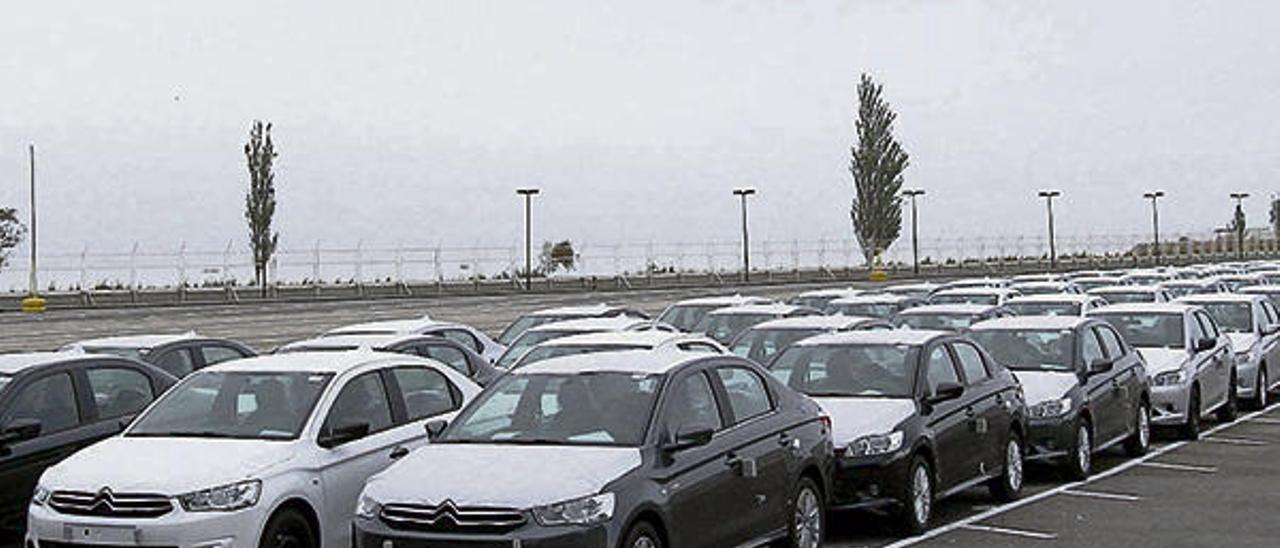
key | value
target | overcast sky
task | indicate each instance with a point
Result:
(412, 122)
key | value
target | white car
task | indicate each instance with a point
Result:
(920, 290)
(559, 314)
(1252, 322)
(882, 305)
(549, 331)
(1045, 288)
(1063, 304)
(970, 283)
(275, 448)
(1146, 277)
(1090, 283)
(469, 336)
(726, 323)
(1124, 294)
(995, 296)
(686, 314)
(1037, 278)
(619, 341)
(819, 298)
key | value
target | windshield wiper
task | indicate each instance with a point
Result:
(195, 434)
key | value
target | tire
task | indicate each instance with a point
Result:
(807, 527)
(1139, 442)
(1260, 393)
(1190, 430)
(916, 498)
(288, 528)
(1079, 459)
(1230, 410)
(1008, 485)
(643, 535)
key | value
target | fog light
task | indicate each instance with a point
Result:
(388, 544)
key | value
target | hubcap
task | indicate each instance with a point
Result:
(644, 542)
(808, 519)
(1083, 450)
(921, 495)
(1013, 465)
(1144, 427)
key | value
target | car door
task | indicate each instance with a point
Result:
(344, 468)
(1110, 410)
(950, 421)
(117, 391)
(761, 457)
(51, 398)
(990, 419)
(1220, 356)
(703, 491)
(1270, 340)
(1129, 373)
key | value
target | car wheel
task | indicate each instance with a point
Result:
(917, 500)
(1140, 441)
(288, 528)
(807, 526)
(643, 535)
(1230, 410)
(1008, 485)
(1191, 428)
(1260, 393)
(1080, 457)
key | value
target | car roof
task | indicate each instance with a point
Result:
(1193, 282)
(1053, 298)
(1042, 283)
(578, 310)
(774, 308)
(1259, 289)
(829, 292)
(1033, 322)
(352, 341)
(873, 298)
(957, 308)
(1124, 289)
(975, 291)
(834, 321)
(615, 323)
(314, 362)
(725, 300)
(651, 338)
(1220, 298)
(628, 361)
(133, 341)
(391, 326)
(909, 337)
(12, 364)
(1157, 308)
(1097, 279)
(918, 285)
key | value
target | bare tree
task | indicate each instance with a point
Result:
(260, 200)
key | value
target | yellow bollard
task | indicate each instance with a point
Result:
(34, 304)
(877, 271)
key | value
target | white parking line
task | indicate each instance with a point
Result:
(1155, 452)
(1014, 532)
(1102, 495)
(1266, 420)
(1181, 467)
(1235, 441)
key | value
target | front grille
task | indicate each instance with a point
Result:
(107, 504)
(449, 518)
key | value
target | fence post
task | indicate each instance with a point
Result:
(84, 269)
(315, 262)
(133, 268)
(182, 267)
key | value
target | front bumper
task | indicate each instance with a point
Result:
(176, 529)
(367, 533)
(1247, 376)
(1049, 438)
(869, 482)
(1169, 404)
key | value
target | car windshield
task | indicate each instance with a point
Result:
(1184, 290)
(762, 344)
(964, 299)
(817, 302)
(846, 370)
(724, 327)
(944, 322)
(1231, 317)
(1039, 290)
(524, 323)
(526, 341)
(1028, 349)
(1093, 284)
(120, 351)
(685, 316)
(540, 353)
(598, 408)
(245, 405)
(869, 310)
(1122, 297)
(1045, 309)
(1151, 330)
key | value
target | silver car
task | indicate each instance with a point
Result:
(1252, 322)
(1123, 294)
(1190, 361)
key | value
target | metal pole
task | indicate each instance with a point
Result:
(915, 229)
(528, 194)
(1049, 195)
(33, 281)
(1155, 221)
(746, 242)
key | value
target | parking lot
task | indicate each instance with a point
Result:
(1214, 492)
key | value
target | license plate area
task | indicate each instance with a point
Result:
(100, 534)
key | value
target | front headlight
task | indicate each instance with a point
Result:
(875, 444)
(226, 498)
(368, 508)
(1170, 378)
(1050, 409)
(40, 496)
(583, 511)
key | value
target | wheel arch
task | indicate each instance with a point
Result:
(302, 506)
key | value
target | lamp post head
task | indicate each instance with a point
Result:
(528, 191)
(1050, 193)
(743, 191)
(1239, 195)
(1154, 194)
(913, 192)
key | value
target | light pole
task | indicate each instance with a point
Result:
(1239, 222)
(1155, 196)
(746, 242)
(915, 228)
(1048, 196)
(33, 303)
(528, 194)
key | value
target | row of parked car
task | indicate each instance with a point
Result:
(726, 421)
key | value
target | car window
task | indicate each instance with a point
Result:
(1090, 347)
(1110, 342)
(214, 354)
(363, 400)
(50, 400)
(177, 362)
(939, 369)
(464, 338)
(452, 357)
(748, 397)
(975, 368)
(691, 406)
(1210, 326)
(1198, 331)
(119, 391)
(426, 392)
(1269, 311)
(698, 347)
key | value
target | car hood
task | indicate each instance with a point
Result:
(1242, 342)
(170, 466)
(507, 476)
(1042, 386)
(1160, 360)
(852, 418)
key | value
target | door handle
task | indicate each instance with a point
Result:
(399, 453)
(968, 411)
(784, 439)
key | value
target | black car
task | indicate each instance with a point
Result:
(52, 404)
(458, 356)
(179, 355)
(1086, 389)
(916, 416)
(618, 449)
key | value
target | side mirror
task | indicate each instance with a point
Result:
(946, 391)
(1205, 344)
(1100, 365)
(20, 430)
(343, 434)
(688, 439)
(435, 428)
